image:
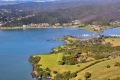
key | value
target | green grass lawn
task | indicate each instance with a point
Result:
(50, 60)
(100, 71)
(72, 68)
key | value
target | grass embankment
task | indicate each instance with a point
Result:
(113, 41)
(100, 71)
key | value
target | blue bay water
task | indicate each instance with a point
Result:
(114, 31)
(17, 45)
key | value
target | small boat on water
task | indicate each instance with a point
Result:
(86, 35)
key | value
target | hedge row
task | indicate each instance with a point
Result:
(98, 61)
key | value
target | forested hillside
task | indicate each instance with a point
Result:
(62, 12)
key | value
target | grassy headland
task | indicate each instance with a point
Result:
(73, 60)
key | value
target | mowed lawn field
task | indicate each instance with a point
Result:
(114, 41)
(99, 70)
(51, 61)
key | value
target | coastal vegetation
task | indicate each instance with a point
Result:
(81, 56)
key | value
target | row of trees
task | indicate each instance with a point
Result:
(65, 76)
(68, 60)
(43, 73)
(68, 75)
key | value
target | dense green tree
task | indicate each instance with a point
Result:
(34, 59)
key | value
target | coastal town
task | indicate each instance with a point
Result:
(72, 24)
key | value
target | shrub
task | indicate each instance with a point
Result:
(117, 64)
(87, 75)
(61, 63)
(58, 76)
(69, 60)
(46, 74)
(47, 69)
(78, 65)
(66, 75)
(40, 74)
(73, 75)
(108, 66)
(82, 60)
(100, 56)
(55, 72)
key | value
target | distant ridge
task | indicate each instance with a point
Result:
(65, 10)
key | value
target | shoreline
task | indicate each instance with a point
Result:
(15, 28)
(34, 73)
(24, 28)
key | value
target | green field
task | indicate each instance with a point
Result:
(97, 67)
(100, 71)
(51, 61)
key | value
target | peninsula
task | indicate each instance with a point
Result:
(79, 59)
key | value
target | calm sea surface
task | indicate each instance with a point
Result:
(17, 45)
(114, 31)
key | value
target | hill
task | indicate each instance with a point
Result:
(99, 71)
(102, 11)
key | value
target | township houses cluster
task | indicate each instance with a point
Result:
(74, 24)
